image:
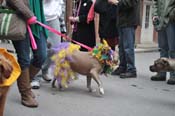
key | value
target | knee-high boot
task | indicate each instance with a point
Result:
(33, 71)
(24, 87)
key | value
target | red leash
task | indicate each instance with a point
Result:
(34, 46)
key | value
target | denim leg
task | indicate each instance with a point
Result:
(22, 48)
(128, 37)
(39, 55)
(122, 58)
(163, 45)
(170, 30)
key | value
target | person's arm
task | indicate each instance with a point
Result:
(21, 7)
(172, 12)
(96, 20)
(155, 8)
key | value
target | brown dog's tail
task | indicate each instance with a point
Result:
(62, 70)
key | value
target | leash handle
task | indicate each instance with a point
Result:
(32, 40)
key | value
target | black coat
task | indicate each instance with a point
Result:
(108, 18)
(129, 13)
(85, 32)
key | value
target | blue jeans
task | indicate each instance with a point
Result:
(22, 48)
(166, 42)
(126, 49)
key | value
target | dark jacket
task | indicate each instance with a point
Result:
(107, 22)
(129, 13)
(165, 10)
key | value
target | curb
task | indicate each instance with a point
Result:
(140, 50)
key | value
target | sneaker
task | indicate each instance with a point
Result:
(35, 84)
(118, 71)
(171, 81)
(46, 77)
(158, 77)
(128, 75)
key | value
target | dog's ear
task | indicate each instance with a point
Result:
(5, 69)
(165, 62)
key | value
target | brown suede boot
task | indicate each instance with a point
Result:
(27, 97)
(33, 71)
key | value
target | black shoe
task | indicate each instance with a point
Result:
(171, 81)
(118, 71)
(158, 77)
(128, 75)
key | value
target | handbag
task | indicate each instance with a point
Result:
(12, 26)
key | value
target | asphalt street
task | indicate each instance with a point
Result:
(123, 97)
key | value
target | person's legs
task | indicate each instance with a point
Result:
(128, 45)
(163, 45)
(122, 59)
(171, 41)
(54, 40)
(22, 48)
(46, 66)
(38, 58)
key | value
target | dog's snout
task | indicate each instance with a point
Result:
(152, 68)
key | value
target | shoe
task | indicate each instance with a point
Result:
(118, 71)
(46, 78)
(171, 81)
(35, 84)
(128, 75)
(158, 77)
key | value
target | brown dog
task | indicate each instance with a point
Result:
(9, 72)
(5, 71)
(86, 64)
(163, 65)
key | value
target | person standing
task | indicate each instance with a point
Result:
(52, 13)
(107, 22)
(83, 32)
(164, 23)
(28, 66)
(128, 20)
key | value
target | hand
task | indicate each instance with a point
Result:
(32, 20)
(74, 19)
(155, 18)
(113, 1)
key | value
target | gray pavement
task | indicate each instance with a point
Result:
(123, 97)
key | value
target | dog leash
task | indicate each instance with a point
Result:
(33, 42)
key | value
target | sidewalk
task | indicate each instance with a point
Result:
(140, 48)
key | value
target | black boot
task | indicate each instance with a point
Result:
(128, 75)
(118, 71)
(158, 77)
(171, 81)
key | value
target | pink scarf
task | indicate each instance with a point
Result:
(91, 13)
